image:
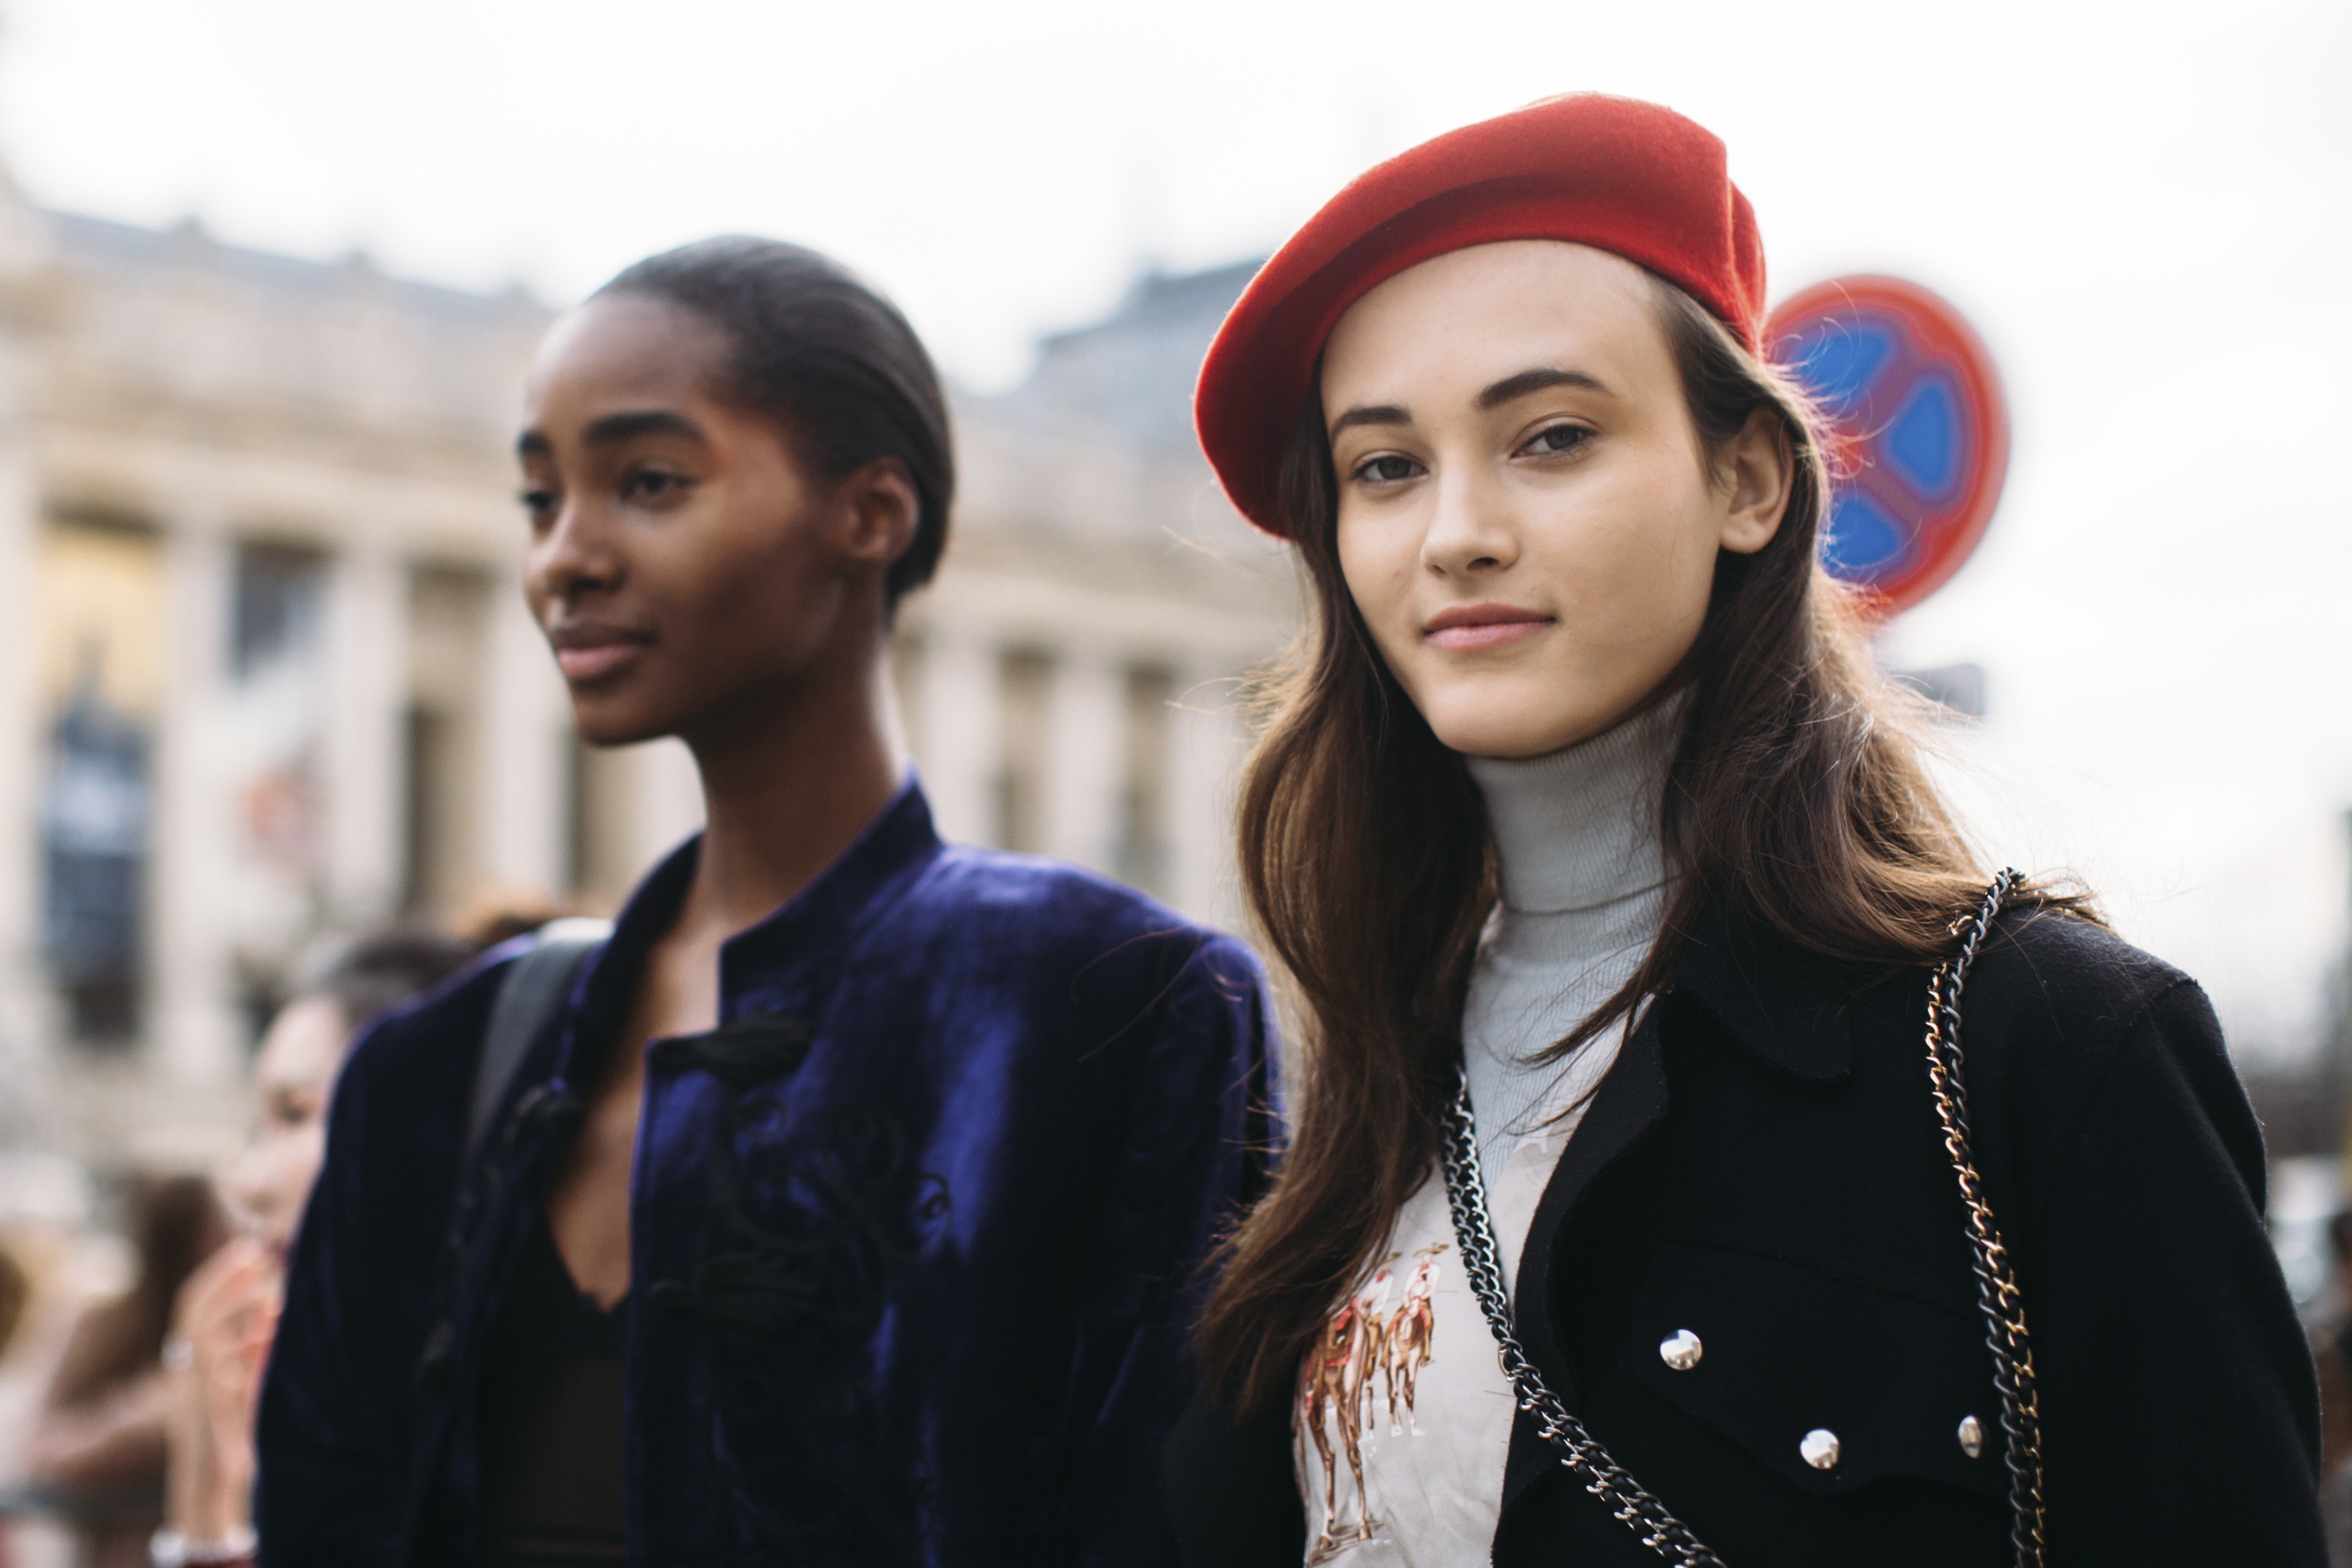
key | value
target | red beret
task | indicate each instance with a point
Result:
(1615, 174)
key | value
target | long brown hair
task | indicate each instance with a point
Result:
(1796, 801)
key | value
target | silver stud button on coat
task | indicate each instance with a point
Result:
(1819, 1448)
(1681, 1350)
(1971, 1436)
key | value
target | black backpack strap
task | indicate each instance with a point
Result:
(533, 989)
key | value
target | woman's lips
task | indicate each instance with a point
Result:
(586, 655)
(580, 664)
(1472, 628)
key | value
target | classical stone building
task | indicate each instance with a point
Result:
(270, 676)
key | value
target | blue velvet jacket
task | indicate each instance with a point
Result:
(915, 1232)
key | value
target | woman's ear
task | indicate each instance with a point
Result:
(1762, 468)
(880, 510)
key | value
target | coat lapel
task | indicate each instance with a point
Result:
(1781, 1003)
(1788, 1006)
(1631, 1100)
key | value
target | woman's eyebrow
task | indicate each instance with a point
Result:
(1494, 397)
(615, 428)
(1371, 414)
(1527, 381)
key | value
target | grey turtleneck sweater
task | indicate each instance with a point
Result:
(1584, 886)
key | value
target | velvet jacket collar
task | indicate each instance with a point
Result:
(786, 964)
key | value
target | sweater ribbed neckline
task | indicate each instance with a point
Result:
(1579, 827)
(1584, 883)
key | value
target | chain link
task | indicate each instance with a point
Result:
(1998, 1295)
(1474, 1235)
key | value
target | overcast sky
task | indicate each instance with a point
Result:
(2145, 209)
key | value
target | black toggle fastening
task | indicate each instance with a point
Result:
(543, 1109)
(743, 1051)
(755, 1294)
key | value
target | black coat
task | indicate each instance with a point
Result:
(1762, 1166)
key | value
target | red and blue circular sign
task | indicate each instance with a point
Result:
(1918, 443)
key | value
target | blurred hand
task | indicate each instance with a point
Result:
(225, 1318)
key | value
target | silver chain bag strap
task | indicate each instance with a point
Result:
(1996, 1290)
(1474, 1235)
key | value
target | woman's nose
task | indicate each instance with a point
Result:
(1470, 530)
(574, 555)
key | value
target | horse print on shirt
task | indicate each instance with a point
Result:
(1366, 1352)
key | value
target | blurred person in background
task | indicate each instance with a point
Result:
(15, 1296)
(1638, 1164)
(97, 1450)
(16, 1305)
(848, 1207)
(226, 1315)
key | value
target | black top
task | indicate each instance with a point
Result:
(1762, 1167)
(550, 1420)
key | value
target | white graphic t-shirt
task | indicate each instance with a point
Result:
(1402, 1422)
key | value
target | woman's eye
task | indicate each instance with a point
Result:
(538, 504)
(1554, 439)
(650, 485)
(1386, 470)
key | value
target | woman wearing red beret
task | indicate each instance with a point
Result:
(1702, 1156)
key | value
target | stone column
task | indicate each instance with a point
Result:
(23, 991)
(1087, 764)
(367, 659)
(525, 815)
(958, 743)
(192, 1024)
(1207, 747)
(669, 798)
